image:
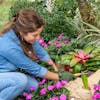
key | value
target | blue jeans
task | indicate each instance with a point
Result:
(13, 84)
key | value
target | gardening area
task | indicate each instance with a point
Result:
(71, 36)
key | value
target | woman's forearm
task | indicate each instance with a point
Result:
(52, 76)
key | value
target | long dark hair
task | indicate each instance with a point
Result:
(25, 21)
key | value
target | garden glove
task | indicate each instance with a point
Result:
(65, 75)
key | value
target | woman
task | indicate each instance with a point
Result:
(18, 49)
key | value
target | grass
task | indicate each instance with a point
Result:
(4, 11)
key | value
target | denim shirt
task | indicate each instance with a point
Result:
(12, 56)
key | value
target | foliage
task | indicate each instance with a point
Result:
(18, 5)
(67, 7)
(87, 58)
(4, 11)
(56, 21)
(62, 45)
(91, 34)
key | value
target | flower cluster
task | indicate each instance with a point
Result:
(48, 90)
(53, 89)
(96, 95)
(56, 42)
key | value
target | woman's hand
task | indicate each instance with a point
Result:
(50, 62)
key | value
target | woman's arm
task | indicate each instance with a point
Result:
(44, 56)
(50, 62)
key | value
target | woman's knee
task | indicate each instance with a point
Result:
(21, 80)
(32, 82)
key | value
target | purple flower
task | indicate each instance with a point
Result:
(58, 45)
(32, 88)
(42, 82)
(63, 97)
(43, 91)
(58, 85)
(64, 82)
(38, 57)
(66, 41)
(60, 36)
(29, 97)
(51, 87)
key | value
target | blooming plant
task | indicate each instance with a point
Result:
(81, 59)
(96, 95)
(48, 90)
(51, 91)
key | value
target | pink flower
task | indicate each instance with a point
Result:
(99, 87)
(51, 87)
(49, 43)
(60, 36)
(82, 56)
(32, 88)
(95, 96)
(42, 82)
(95, 87)
(45, 45)
(55, 42)
(29, 97)
(58, 85)
(50, 99)
(58, 45)
(64, 82)
(25, 94)
(63, 97)
(43, 91)
(41, 41)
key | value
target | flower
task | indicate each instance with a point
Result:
(66, 41)
(95, 87)
(51, 87)
(96, 96)
(64, 82)
(42, 82)
(58, 85)
(31, 88)
(25, 94)
(43, 91)
(82, 56)
(29, 97)
(63, 97)
(41, 41)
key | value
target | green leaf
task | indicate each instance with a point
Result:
(77, 68)
(74, 61)
(88, 49)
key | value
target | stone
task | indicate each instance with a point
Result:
(77, 92)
